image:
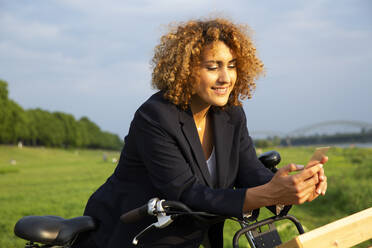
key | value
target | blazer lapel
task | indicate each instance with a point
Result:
(223, 133)
(191, 134)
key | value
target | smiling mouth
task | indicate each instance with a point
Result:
(220, 90)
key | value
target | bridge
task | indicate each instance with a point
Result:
(356, 126)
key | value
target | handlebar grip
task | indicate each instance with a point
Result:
(134, 215)
(270, 159)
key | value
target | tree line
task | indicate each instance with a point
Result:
(37, 127)
(364, 136)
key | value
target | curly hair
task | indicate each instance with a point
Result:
(179, 53)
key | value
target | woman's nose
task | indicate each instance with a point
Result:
(223, 76)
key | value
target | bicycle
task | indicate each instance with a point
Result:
(55, 231)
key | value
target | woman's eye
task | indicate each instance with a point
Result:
(212, 68)
(232, 66)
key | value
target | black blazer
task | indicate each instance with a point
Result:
(163, 157)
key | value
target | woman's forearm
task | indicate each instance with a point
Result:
(257, 197)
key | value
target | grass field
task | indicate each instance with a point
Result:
(58, 182)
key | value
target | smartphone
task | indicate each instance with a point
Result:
(318, 154)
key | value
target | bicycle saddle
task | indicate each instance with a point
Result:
(52, 230)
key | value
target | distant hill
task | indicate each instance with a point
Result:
(37, 127)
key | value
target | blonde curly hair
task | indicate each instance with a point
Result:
(179, 54)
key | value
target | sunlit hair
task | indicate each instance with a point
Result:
(179, 54)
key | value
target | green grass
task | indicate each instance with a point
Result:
(48, 181)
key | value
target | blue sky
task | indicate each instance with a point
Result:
(91, 58)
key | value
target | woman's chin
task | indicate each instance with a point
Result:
(220, 103)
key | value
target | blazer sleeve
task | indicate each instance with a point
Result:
(252, 172)
(170, 173)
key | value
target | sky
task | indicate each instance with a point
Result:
(92, 58)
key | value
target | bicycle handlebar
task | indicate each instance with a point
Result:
(134, 215)
(269, 159)
(167, 211)
(156, 206)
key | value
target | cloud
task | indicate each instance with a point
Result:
(142, 8)
(92, 57)
(26, 30)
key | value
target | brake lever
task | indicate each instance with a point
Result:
(163, 219)
(136, 238)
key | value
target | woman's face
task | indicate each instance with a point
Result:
(217, 76)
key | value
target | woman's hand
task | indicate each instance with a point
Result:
(296, 189)
(287, 189)
(321, 187)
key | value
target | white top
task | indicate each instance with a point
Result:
(211, 164)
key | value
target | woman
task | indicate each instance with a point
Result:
(189, 142)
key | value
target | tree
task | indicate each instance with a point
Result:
(13, 120)
(49, 130)
(90, 133)
(40, 127)
(3, 109)
(70, 129)
(3, 90)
